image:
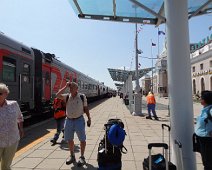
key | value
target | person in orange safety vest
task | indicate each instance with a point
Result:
(151, 106)
(59, 107)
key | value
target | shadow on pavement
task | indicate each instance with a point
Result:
(36, 131)
(87, 166)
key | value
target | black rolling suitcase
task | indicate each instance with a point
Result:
(179, 147)
(109, 156)
(158, 161)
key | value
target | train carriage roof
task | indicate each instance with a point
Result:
(15, 45)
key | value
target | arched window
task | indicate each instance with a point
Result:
(202, 84)
(194, 86)
(211, 82)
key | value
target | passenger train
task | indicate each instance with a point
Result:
(34, 77)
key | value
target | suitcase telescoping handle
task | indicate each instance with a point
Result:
(158, 145)
(180, 152)
(164, 125)
(169, 129)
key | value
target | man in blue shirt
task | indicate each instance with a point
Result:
(203, 129)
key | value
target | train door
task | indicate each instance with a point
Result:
(26, 81)
(46, 71)
(46, 82)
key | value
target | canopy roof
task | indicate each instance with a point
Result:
(139, 11)
(122, 75)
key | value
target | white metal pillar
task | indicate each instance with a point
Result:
(130, 89)
(179, 80)
(137, 94)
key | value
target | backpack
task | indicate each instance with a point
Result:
(209, 117)
(111, 147)
(59, 108)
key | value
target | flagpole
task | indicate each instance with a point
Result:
(152, 66)
(158, 43)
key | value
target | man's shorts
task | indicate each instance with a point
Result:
(75, 125)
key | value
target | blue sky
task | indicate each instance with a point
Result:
(87, 45)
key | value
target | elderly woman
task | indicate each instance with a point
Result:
(11, 128)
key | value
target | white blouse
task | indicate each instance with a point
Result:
(10, 116)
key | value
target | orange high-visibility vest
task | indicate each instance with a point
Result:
(150, 99)
(59, 108)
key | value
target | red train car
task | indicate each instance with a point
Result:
(34, 77)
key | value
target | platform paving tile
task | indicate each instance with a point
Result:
(28, 163)
(51, 164)
(58, 154)
(40, 153)
(140, 131)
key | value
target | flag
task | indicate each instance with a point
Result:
(161, 32)
(139, 51)
(140, 28)
(153, 44)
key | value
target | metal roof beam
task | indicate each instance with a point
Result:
(119, 19)
(78, 7)
(114, 9)
(162, 13)
(199, 9)
(148, 10)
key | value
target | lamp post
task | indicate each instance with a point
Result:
(137, 87)
(137, 94)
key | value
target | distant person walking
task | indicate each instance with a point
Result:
(76, 106)
(203, 129)
(151, 106)
(59, 107)
(11, 128)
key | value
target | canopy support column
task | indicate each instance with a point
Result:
(137, 94)
(179, 79)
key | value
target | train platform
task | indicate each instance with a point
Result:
(36, 152)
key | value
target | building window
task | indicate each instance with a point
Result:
(211, 82)
(211, 63)
(202, 84)
(201, 66)
(194, 86)
(9, 69)
(193, 69)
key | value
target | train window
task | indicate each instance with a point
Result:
(89, 87)
(9, 69)
(26, 68)
(79, 84)
(74, 80)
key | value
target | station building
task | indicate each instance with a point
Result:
(201, 69)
